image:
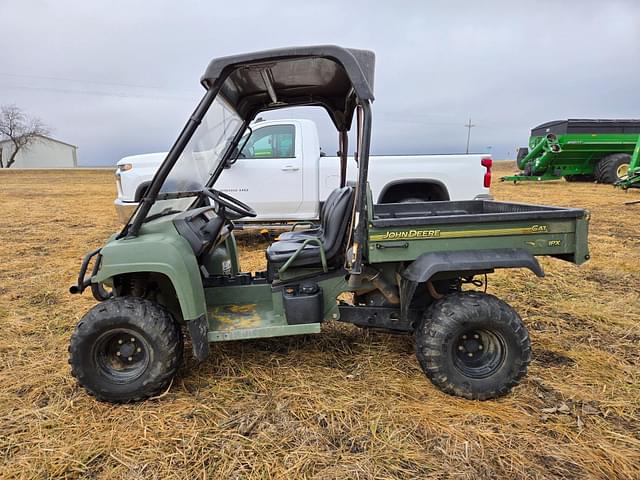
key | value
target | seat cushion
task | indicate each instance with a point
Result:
(327, 208)
(280, 252)
(299, 235)
(332, 235)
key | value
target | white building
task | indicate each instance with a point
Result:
(44, 152)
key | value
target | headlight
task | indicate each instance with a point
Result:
(124, 167)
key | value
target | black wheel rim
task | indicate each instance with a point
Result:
(478, 353)
(121, 355)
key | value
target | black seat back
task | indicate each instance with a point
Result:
(336, 219)
(328, 205)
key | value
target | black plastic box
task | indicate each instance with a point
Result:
(303, 304)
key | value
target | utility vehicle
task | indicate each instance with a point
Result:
(292, 159)
(174, 266)
(580, 150)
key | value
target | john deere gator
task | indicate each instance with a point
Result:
(417, 269)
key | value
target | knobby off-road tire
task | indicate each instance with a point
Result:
(608, 168)
(125, 349)
(473, 345)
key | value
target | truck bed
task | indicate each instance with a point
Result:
(403, 231)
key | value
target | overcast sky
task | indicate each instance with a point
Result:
(121, 77)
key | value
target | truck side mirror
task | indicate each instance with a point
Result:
(233, 159)
(237, 151)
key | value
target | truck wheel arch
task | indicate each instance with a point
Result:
(398, 191)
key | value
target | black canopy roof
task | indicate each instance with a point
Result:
(326, 75)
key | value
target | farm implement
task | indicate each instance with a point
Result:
(632, 179)
(580, 150)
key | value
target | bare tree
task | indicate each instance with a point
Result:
(21, 130)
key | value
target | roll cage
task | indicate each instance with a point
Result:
(335, 78)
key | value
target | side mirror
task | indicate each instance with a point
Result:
(237, 151)
(230, 162)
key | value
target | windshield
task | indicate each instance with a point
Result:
(200, 157)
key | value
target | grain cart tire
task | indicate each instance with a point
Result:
(612, 168)
(125, 349)
(473, 345)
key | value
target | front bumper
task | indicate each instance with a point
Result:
(124, 209)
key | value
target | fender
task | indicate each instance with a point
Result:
(427, 265)
(170, 255)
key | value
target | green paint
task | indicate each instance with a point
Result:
(158, 248)
(256, 311)
(572, 154)
(556, 237)
(633, 177)
(529, 178)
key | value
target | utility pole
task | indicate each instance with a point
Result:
(469, 127)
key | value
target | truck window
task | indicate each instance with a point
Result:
(276, 141)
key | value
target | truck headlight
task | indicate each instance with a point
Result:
(123, 167)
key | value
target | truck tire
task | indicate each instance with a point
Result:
(612, 168)
(125, 349)
(473, 345)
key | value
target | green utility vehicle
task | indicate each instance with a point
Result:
(578, 150)
(174, 267)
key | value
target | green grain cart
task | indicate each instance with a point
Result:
(580, 150)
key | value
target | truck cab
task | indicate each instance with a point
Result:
(284, 175)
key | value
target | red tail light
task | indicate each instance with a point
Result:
(487, 163)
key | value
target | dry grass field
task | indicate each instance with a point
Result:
(344, 404)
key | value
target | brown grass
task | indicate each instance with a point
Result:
(344, 404)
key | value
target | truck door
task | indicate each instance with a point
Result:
(268, 173)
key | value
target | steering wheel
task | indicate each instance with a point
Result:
(229, 207)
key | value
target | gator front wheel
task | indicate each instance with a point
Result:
(125, 349)
(473, 345)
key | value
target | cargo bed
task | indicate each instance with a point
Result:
(401, 231)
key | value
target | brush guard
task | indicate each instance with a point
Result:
(97, 290)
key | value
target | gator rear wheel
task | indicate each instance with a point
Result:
(473, 345)
(613, 167)
(125, 349)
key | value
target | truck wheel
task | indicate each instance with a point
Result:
(613, 167)
(125, 349)
(473, 345)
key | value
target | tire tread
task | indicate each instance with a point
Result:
(433, 328)
(147, 316)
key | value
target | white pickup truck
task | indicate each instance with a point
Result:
(284, 176)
